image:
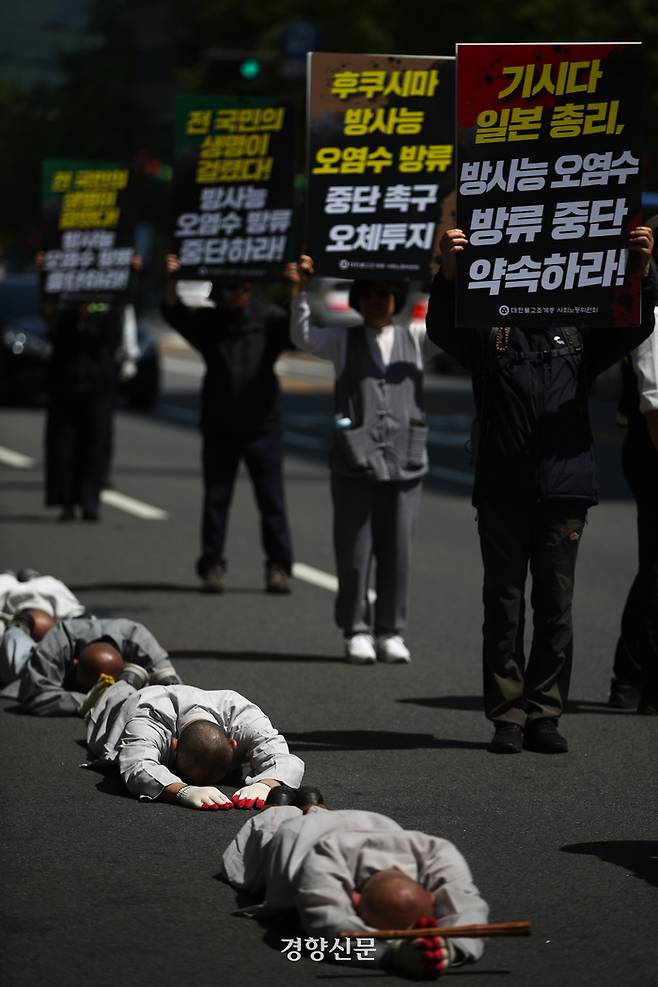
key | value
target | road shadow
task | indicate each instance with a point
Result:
(640, 857)
(111, 784)
(22, 484)
(475, 704)
(134, 588)
(28, 519)
(373, 740)
(266, 656)
(592, 706)
(108, 612)
(446, 702)
(162, 588)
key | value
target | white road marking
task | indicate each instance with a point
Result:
(11, 458)
(131, 506)
(317, 577)
(112, 497)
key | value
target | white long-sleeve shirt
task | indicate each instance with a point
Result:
(312, 863)
(645, 364)
(136, 729)
(330, 342)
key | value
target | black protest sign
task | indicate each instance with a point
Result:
(232, 186)
(380, 163)
(549, 147)
(88, 230)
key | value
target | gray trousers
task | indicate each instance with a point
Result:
(373, 520)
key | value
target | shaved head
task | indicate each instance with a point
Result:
(40, 622)
(204, 753)
(391, 900)
(98, 658)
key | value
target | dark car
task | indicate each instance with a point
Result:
(25, 350)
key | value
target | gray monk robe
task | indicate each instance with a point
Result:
(135, 730)
(47, 685)
(313, 862)
(40, 593)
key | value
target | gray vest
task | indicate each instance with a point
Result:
(388, 434)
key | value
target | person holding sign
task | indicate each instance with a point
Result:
(534, 482)
(635, 672)
(240, 339)
(378, 457)
(83, 377)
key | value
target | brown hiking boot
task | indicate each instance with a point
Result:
(277, 580)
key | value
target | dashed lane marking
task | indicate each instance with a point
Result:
(317, 577)
(131, 506)
(110, 497)
(12, 458)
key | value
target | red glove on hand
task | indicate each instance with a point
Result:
(251, 796)
(435, 950)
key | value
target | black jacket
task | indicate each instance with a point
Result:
(240, 389)
(536, 441)
(85, 353)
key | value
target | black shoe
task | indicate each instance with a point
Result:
(277, 580)
(212, 579)
(648, 705)
(543, 736)
(507, 739)
(308, 795)
(91, 515)
(280, 795)
(68, 514)
(623, 695)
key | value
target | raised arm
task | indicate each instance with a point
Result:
(177, 314)
(329, 342)
(440, 321)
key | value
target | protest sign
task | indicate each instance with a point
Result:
(381, 176)
(232, 186)
(88, 230)
(549, 141)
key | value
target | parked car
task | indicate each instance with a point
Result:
(25, 350)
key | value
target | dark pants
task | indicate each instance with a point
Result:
(263, 456)
(78, 447)
(545, 539)
(373, 520)
(636, 656)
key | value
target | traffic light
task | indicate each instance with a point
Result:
(250, 68)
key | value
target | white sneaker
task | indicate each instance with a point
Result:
(360, 649)
(392, 649)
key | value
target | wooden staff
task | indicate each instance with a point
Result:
(521, 928)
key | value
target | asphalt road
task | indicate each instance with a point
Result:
(101, 889)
